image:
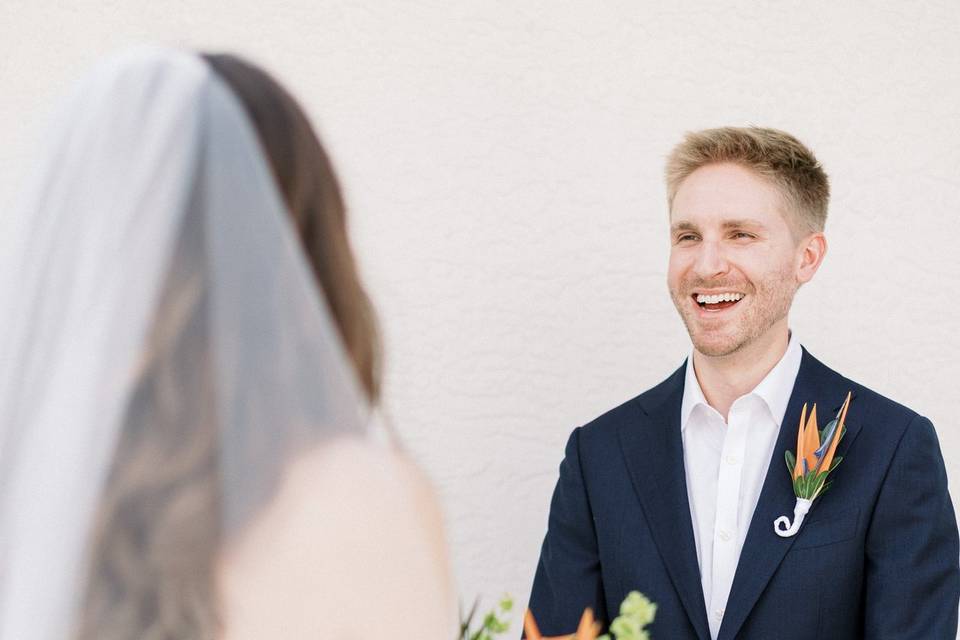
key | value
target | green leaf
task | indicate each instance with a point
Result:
(827, 428)
(798, 486)
(820, 434)
(791, 461)
(835, 463)
(492, 624)
(636, 612)
(817, 484)
(801, 488)
(466, 622)
(807, 485)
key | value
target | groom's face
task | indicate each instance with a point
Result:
(733, 258)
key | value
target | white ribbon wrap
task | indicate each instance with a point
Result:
(782, 524)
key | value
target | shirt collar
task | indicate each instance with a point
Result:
(775, 388)
(692, 394)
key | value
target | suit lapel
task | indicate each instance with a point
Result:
(653, 452)
(763, 550)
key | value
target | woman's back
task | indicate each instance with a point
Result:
(377, 569)
(211, 473)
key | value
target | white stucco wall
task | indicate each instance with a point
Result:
(502, 162)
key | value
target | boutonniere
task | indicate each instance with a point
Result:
(810, 467)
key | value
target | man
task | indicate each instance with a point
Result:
(675, 492)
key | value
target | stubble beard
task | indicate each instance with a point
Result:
(768, 301)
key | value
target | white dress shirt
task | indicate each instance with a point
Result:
(725, 464)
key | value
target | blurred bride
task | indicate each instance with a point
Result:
(187, 368)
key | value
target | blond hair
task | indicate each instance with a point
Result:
(770, 153)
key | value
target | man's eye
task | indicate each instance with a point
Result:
(743, 234)
(686, 237)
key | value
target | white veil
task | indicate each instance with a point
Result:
(152, 161)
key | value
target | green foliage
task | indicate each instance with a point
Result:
(835, 463)
(810, 485)
(813, 483)
(494, 622)
(826, 429)
(791, 461)
(636, 612)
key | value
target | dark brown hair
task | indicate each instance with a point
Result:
(312, 193)
(157, 532)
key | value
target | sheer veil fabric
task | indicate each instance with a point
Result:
(152, 160)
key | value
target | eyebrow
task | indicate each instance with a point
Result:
(684, 225)
(742, 222)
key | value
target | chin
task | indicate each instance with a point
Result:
(717, 346)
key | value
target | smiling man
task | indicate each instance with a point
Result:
(675, 492)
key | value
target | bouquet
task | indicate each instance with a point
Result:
(636, 612)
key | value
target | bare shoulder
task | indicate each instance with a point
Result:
(352, 468)
(352, 541)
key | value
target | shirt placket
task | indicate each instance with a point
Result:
(726, 529)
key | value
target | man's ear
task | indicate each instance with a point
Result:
(811, 252)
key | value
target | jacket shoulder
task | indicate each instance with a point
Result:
(882, 414)
(604, 427)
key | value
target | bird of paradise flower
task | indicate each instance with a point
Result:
(812, 464)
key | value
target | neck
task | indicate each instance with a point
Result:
(723, 379)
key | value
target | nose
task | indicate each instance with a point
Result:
(710, 261)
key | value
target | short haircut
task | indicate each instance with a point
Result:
(772, 154)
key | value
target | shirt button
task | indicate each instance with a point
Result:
(732, 460)
(724, 536)
(718, 613)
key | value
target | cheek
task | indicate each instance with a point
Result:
(761, 266)
(675, 268)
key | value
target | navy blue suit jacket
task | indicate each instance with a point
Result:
(877, 556)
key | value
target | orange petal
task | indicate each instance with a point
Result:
(828, 456)
(811, 439)
(843, 411)
(530, 626)
(587, 630)
(798, 467)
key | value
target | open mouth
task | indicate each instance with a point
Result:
(717, 301)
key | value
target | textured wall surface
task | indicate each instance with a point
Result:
(502, 162)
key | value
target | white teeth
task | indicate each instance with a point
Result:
(719, 297)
